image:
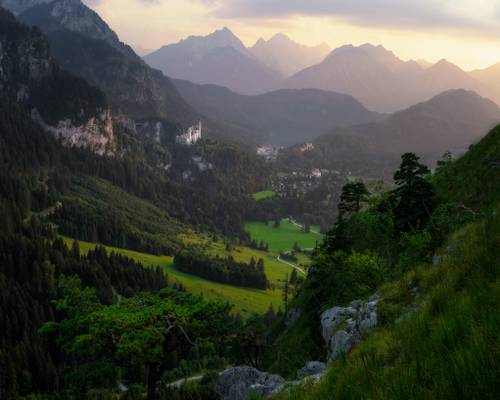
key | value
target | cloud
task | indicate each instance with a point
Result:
(459, 14)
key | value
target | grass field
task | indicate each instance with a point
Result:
(264, 194)
(284, 237)
(245, 300)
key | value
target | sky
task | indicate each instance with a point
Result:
(465, 32)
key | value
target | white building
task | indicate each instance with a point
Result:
(191, 135)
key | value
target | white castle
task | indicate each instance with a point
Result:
(191, 135)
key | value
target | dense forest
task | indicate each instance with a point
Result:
(224, 270)
(50, 292)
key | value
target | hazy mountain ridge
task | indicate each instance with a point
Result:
(381, 81)
(450, 121)
(219, 58)
(286, 56)
(283, 117)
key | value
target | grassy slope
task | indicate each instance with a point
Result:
(447, 349)
(474, 179)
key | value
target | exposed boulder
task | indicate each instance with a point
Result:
(238, 383)
(312, 368)
(344, 327)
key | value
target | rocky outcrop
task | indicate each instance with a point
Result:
(312, 368)
(344, 327)
(238, 383)
(95, 134)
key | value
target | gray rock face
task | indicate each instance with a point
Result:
(344, 327)
(238, 383)
(312, 368)
(342, 342)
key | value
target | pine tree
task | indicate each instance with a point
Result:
(414, 198)
(353, 195)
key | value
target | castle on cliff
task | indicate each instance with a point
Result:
(191, 135)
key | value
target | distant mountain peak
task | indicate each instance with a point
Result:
(377, 52)
(283, 54)
(280, 37)
(223, 32)
(445, 65)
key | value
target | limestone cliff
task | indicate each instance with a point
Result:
(95, 134)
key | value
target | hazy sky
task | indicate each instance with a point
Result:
(466, 32)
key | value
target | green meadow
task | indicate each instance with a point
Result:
(284, 237)
(245, 300)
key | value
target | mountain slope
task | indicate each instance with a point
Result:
(286, 56)
(283, 117)
(381, 81)
(19, 6)
(450, 121)
(83, 43)
(64, 105)
(219, 58)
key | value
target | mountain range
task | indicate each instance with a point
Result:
(372, 74)
(380, 80)
(219, 58)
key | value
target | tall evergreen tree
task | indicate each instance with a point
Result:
(414, 198)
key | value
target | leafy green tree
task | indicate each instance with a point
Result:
(151, 331)
(414, 200)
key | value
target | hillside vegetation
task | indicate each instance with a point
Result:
(446, 344)
(430, 249)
